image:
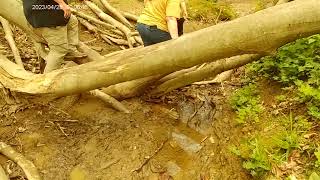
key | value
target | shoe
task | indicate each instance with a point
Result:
(75, 54)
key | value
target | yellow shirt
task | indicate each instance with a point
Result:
(156, 11)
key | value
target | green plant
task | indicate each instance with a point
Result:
(255, 156)
(296, 63)
(260, 5)
(317, 154)
(273, 144)
(246, 103)
(281, 98)
(314, 176)
(258, 162)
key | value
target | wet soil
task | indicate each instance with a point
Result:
(93, 141)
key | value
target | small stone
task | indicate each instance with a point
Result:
(211, 139)
(21, 129)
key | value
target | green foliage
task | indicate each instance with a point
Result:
(260, 5)
(314, 176)
(317, 154)
(296, 63)
(281, 98)
(246, 103)
(258, 162)
(272, 145)
(205, 10)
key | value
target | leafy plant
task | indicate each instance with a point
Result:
(296, 63)
(258, 162)
(246, 102)
(272, 145)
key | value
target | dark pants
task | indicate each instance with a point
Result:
(180, 26)
(151, 34)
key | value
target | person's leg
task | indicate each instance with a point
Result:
(73, 33)
(158, 36)
(180, 26)
(58, 45)
(144, 32)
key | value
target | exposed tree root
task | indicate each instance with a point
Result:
(211, 69)
(3, 175)
(28, 167)
(110, 100)
(11, 42)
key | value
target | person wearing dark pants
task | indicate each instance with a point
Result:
(159, 21)
(151, 34)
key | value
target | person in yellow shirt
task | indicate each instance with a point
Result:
(158, 21)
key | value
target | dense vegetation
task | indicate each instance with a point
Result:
(285, 141)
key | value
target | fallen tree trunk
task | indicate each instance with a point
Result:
(130, 89)
(240, 36)
(218, 79)
(211, 69)
(130, 16)
(112, 21)
(137, 87)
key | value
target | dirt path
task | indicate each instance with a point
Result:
(96, 142)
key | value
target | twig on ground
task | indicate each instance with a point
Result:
(110, 163)
(61, 129)
(150, 157)
(67, 120)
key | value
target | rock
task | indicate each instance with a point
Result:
(186, 143)
(172, 168)
(77, 174)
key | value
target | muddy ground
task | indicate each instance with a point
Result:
(184, 135)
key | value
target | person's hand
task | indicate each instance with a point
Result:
(185, 15)
(66, 9)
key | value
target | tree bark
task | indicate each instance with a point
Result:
(28, 167)
(11, 42)
(112, 21)
(116, 13)
(130, 16)
(3, 175)
(257, 33)
(211, 69)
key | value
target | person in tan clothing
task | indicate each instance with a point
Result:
(52, 20)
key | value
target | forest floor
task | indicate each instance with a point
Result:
(186, 134)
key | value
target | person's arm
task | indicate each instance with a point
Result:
(184, 9)
(64, 6)
(172, 27)
(173, 11)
